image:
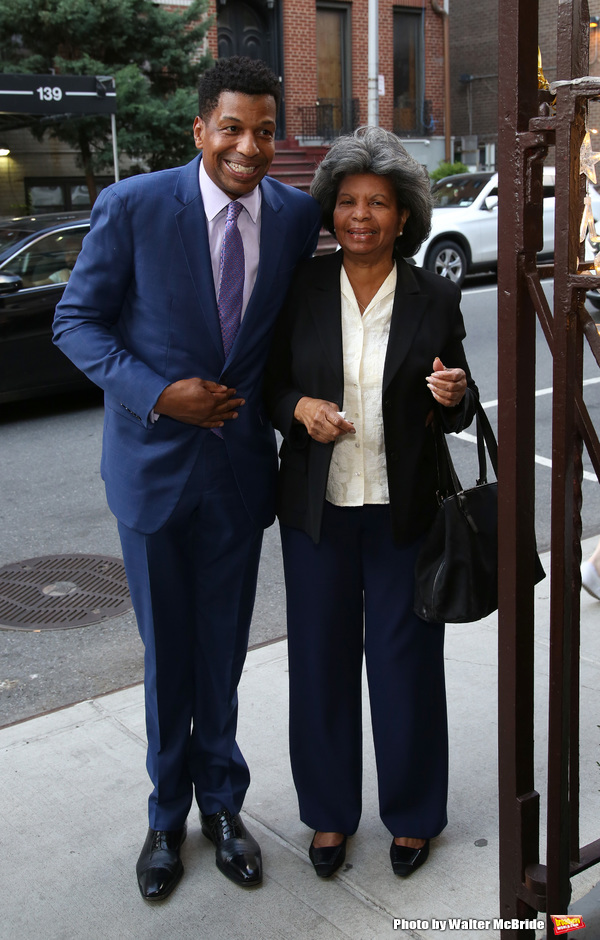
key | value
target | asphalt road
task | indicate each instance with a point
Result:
(53, 503)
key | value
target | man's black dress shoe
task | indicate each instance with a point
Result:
(405, 860)
(238, 854)
(328, 858)
(159, 867)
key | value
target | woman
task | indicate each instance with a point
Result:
(364, 348)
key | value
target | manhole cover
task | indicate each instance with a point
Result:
(56, 592)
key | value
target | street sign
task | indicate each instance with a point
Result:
(57, 94)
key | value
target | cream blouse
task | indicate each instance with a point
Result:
(357, 473)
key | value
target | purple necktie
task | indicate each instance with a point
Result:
(231, 290)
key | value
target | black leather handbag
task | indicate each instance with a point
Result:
(456, 574)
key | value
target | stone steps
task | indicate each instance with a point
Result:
(295, 166)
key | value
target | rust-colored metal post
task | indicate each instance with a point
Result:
(563, 753)
(519, 232)
(527, 127)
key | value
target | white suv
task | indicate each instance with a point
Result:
(464, 225)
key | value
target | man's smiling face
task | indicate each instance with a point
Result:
(237, 141)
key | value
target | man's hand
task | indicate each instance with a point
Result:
(321, 419)
(448, 386)
(200, 402)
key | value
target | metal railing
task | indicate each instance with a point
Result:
(330, 117)
(528, 126)
(413, 118)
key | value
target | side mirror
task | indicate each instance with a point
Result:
(490, 203)
(10, 283)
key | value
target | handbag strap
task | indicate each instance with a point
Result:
(485, 433)
(448, 481)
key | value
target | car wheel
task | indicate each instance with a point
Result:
(448, 260)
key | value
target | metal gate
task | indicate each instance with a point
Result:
(528, 125)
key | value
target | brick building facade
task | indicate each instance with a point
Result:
(474, 72)
(319, 48)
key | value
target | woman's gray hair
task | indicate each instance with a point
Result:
(374, 150)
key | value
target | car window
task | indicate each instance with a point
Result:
(458, 191)
(48, 260)
(12, 236)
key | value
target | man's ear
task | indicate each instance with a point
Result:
(199, 133)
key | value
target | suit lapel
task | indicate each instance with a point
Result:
(191, 223)
(407, 313)
(326, 309)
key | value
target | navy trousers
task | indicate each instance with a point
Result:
(193, 585)
(354, 591)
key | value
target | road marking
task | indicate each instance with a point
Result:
(543, 461)
(469, 291)
(493, 403)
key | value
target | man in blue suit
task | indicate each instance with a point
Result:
(189, 458)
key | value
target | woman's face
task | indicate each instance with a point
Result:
(366, 217)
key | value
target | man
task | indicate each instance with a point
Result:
(152, 313)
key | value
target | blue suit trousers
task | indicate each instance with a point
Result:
(193, 585)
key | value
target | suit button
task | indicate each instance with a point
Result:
(387, 402)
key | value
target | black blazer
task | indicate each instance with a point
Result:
(306, 359)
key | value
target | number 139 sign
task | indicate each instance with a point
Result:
(47, 93)
(57, 94)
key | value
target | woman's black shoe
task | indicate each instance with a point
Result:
(328, 858)
(405, 859)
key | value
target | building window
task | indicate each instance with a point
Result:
(57, 195)
(411, 114)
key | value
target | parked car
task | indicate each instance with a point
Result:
(37, 255)
(464, 226)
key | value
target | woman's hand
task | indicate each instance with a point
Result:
(448, 386)
(322, 419)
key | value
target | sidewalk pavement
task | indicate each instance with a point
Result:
(74, 792)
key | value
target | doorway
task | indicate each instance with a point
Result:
(333, 69)
(253, 29)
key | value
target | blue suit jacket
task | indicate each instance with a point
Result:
(140, 312)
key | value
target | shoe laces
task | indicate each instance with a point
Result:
(161, 839)
(228, 824)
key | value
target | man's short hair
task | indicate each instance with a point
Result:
(238, 73)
